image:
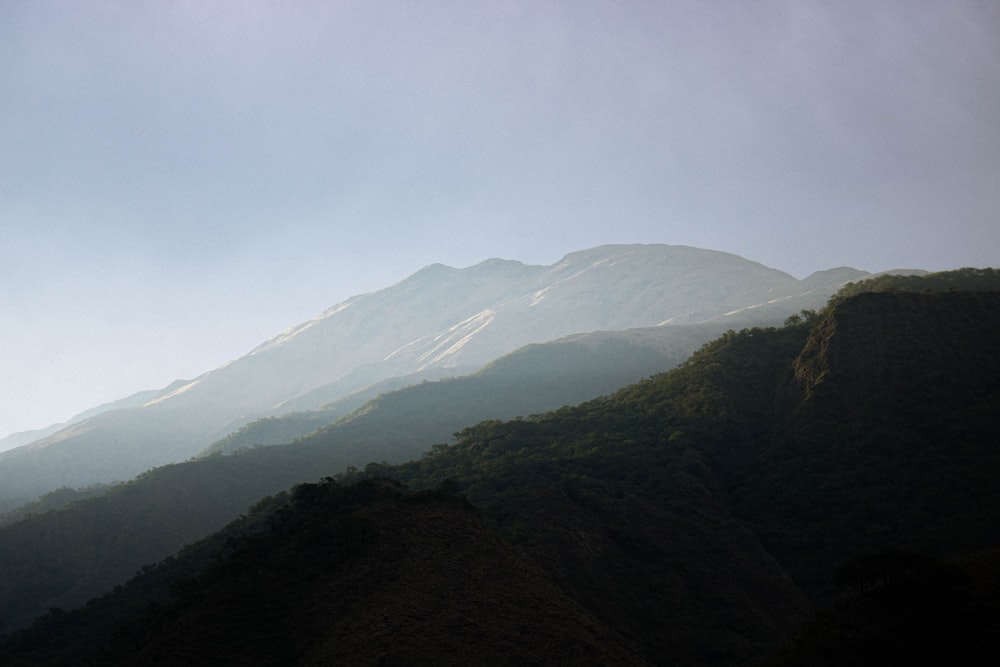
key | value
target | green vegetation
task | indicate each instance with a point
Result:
(399, 425)
(66, 557)
(699, 513)
(639, 440)
(272, 431)
(54, 500)
(330, 574)
(965, 280)
(112, 625)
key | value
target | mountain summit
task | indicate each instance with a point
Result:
(440, 320)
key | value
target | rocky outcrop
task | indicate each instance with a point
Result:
(897, 348)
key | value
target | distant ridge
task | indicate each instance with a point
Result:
(134, 400)
(698, 514)
(438, 318)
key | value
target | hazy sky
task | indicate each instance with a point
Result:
(181, 180)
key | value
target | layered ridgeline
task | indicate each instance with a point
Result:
(380, 424)
(104, 541)
(439, 321)
(696, 516)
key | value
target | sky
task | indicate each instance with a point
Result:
(180, 181)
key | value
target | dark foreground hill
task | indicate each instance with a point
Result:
(394, 580)
(363, 575)
(701, 513)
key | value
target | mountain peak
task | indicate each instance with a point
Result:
(438, 318)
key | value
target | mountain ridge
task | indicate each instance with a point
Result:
(157, 513)
(688, 512)
(439, 317)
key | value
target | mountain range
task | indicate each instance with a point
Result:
(439, 322)
(843, 462)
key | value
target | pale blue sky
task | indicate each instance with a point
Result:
(181, 180)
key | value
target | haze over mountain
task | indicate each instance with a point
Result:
(439, 319)
(698, 516)
(166, 508)
(179, 181)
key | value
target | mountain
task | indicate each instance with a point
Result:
(871, 429)
(133, 401)
(400, 425)
(368, 574)
(103, 541)
(438, 318)
(889, 420)
(698, 514)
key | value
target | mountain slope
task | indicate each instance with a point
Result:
(731, 432)
(890, 421)
(400, 425)
(429, 577)
(135, 400)
(438, 318)
(690, 512)
(362, 575)
(63, 555)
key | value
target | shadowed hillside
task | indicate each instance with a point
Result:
(702, 513)
(168, 507)
(888, 435)
(361, 575)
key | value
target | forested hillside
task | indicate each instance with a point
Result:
(701, 515)
(400, 425)
(62, 557)
(345, 575)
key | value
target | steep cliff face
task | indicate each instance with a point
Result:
(886, 436)
(898, 348)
